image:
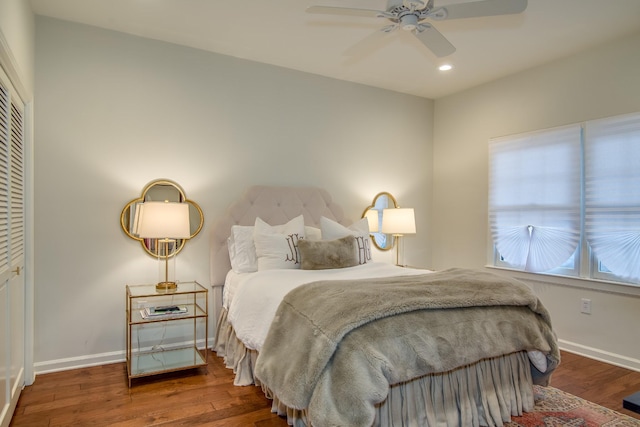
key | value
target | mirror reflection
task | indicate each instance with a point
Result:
(373, 213)
(159, 191)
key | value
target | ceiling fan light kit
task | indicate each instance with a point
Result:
(411, 14)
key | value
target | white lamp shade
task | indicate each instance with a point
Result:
(398, 221)
(372, 217)
(160, 220)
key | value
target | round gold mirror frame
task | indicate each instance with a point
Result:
(161, 190)
(383, 200)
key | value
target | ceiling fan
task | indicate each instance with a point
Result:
(410, 15)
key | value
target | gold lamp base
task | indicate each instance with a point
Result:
(166, 286)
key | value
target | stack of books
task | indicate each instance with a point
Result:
(161, 311)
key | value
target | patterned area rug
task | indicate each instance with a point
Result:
(555, 408)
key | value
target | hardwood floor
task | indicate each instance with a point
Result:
(597, 382)
(99, 396)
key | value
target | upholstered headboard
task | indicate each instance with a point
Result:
(274, 205)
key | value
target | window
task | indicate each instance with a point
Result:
(612, 196)
(552, 189)
(534, 198)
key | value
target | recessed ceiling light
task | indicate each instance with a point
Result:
(445, 67)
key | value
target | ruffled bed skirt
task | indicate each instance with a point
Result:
(486, 393)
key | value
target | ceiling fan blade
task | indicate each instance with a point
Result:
(434, 40)
(331, 10)
(479, 8)
(369, 44)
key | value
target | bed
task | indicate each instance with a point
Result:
(396, 357)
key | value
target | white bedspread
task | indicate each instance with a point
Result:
(253, 298)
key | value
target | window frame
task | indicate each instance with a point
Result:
(586, 263)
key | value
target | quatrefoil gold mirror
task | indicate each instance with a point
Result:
(373, 213)
(161, 190)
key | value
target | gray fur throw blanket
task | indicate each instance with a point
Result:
(335, 347)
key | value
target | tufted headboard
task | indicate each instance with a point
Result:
(274, 205)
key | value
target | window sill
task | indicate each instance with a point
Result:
(576, 282)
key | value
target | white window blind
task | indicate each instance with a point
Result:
(535, 197)
(612, 193)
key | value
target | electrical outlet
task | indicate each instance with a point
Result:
(585, 306)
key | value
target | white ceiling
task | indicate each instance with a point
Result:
(280, 32)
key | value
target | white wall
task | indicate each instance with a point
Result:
(18, 32)
(116, 111)
(598, 83)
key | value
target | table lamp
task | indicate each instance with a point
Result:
(398, 222)
(166, 222)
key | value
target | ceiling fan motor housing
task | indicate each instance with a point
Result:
(413, 4)
(409, 21)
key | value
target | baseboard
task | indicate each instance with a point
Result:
(600, 355)
(78, 362)
(89, 360)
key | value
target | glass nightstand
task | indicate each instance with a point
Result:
(166, 331)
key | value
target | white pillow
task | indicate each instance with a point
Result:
(242, 250)
(332, 230)
(312, 233)
(277, 246)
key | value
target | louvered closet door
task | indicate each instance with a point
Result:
(12, 238)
